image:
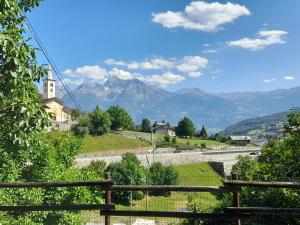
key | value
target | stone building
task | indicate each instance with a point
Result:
(163, 128)
(60, 113)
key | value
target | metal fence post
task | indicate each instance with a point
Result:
(107, 199)
(236, 197)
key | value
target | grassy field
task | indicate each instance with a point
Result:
(185, 141)
(190, 174)
(111, 142)
(197, 142)
(198, 174)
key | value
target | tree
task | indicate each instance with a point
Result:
(293, 125)
(279, 161)
(120, 119)
(202, 134)
(27, 153)
(128, 171)
(75, 114)
(22, 118)
(185, 128)
(100, 122)
(83, 127)
(146, 125)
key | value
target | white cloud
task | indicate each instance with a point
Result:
(191, 64)
(163, 80)
(155, 63)
(264, 39)
(75, 82)
(114, 62)
(68, 72)
(92, 72)
(200, 15)
(269, 80)
(122, 74)
(289, 78)
(195, 74)
(209, 51)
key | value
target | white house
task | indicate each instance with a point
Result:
(162, 128)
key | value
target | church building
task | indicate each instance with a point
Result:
(52, 103)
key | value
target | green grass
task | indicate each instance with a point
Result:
(185, 141)
(198, 174)
(197, 142)
(190, 174)
(112, 142)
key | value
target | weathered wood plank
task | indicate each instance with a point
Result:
(258, 184)
(104, 183)
(31, 208)
(173, 188)
(262, 210)
(190, 215)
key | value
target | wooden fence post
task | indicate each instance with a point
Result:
(236, 197)
(107, 199)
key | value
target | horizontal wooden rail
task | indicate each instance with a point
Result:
(104, 183)
(173, 188)
(31, 208)
(262, 210)
(190, 215)
(258, 184)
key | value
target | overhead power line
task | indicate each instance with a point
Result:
(52, 64)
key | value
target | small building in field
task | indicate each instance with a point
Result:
(163, 128)
(60, 114)
(259, 141)
(240, 140)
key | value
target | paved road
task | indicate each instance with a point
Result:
(228, 157)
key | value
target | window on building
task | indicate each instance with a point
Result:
(51, 85)
(51, 90)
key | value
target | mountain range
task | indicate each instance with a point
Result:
(214, 111)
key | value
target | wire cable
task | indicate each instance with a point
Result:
(52, 64)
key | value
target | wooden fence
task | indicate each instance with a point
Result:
(234, 186)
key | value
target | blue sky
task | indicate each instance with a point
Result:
(217, 46)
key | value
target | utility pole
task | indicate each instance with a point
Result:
(153, 148)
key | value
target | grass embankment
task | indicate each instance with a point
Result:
(191, 174)
(184, 141)
(111, 142)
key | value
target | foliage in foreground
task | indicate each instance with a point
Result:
(27, 153)
(280, 161)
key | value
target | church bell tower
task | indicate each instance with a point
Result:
(49, 85)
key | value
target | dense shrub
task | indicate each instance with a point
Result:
(162, 175)
(128, 171)
(167, 138)
(83, 126)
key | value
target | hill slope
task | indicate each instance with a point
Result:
(266, 125)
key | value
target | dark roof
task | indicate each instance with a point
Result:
(55, 99)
